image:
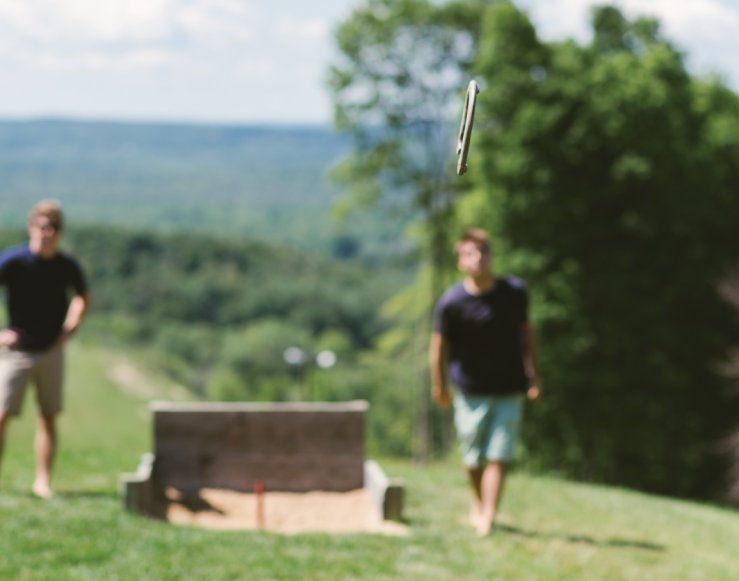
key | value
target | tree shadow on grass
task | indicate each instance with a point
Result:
(582, 539)
(85, 494)
(63, 495)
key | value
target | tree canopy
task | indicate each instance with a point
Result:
(395, 86)
(610, 174)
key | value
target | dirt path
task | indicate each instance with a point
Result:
(130, 379)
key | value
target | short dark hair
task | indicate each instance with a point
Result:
(478, 236)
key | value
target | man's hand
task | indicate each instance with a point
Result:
(64, 336)
(441, 395)
(438, 356)
(10, 338)
(534, 391)
(76, 311)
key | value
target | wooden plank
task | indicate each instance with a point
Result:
(290, 447)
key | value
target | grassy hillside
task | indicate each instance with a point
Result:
(256, 181)
(550, 529)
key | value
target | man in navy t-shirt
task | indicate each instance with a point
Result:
(483, 340)
(38, 281)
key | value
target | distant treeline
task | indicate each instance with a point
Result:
(267, 182)
(217, 316)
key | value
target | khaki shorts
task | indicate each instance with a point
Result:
(487, 427)
(44, 368)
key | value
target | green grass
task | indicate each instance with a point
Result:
(549, 528)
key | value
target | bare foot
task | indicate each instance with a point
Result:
(485, 522)
(484, 527)
(42, 490)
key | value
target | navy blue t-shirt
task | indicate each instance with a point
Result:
(485, 337)
(37, 293)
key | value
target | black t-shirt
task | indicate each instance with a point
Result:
(37, 293)
(484, 333)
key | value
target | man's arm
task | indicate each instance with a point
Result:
(9, 338)
(438, 358)
(76, 312)
(530, 362)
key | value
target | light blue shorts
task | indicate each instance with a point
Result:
(487, 427)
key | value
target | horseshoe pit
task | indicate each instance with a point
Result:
(279, 467)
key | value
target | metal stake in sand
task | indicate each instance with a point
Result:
(259, 498)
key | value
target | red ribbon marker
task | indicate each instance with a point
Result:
(259, 496)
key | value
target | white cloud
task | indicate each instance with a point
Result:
(86, 21)
(560, 18)
(199, 59)
(123, 32)
(220, 24)
(707, 30)
(684, 18)
(247, 59)
(696, 19)
(303, 30)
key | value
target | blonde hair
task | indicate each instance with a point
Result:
(51, 209)
(478, 236)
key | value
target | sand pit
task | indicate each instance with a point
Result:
(210, 457)
(283, 512)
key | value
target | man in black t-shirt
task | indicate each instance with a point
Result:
(38, 281)
(483, 339)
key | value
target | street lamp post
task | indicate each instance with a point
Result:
(301, 362)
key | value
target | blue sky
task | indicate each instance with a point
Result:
(247, 61)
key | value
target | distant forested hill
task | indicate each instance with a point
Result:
(251, 181)
(212, 312)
